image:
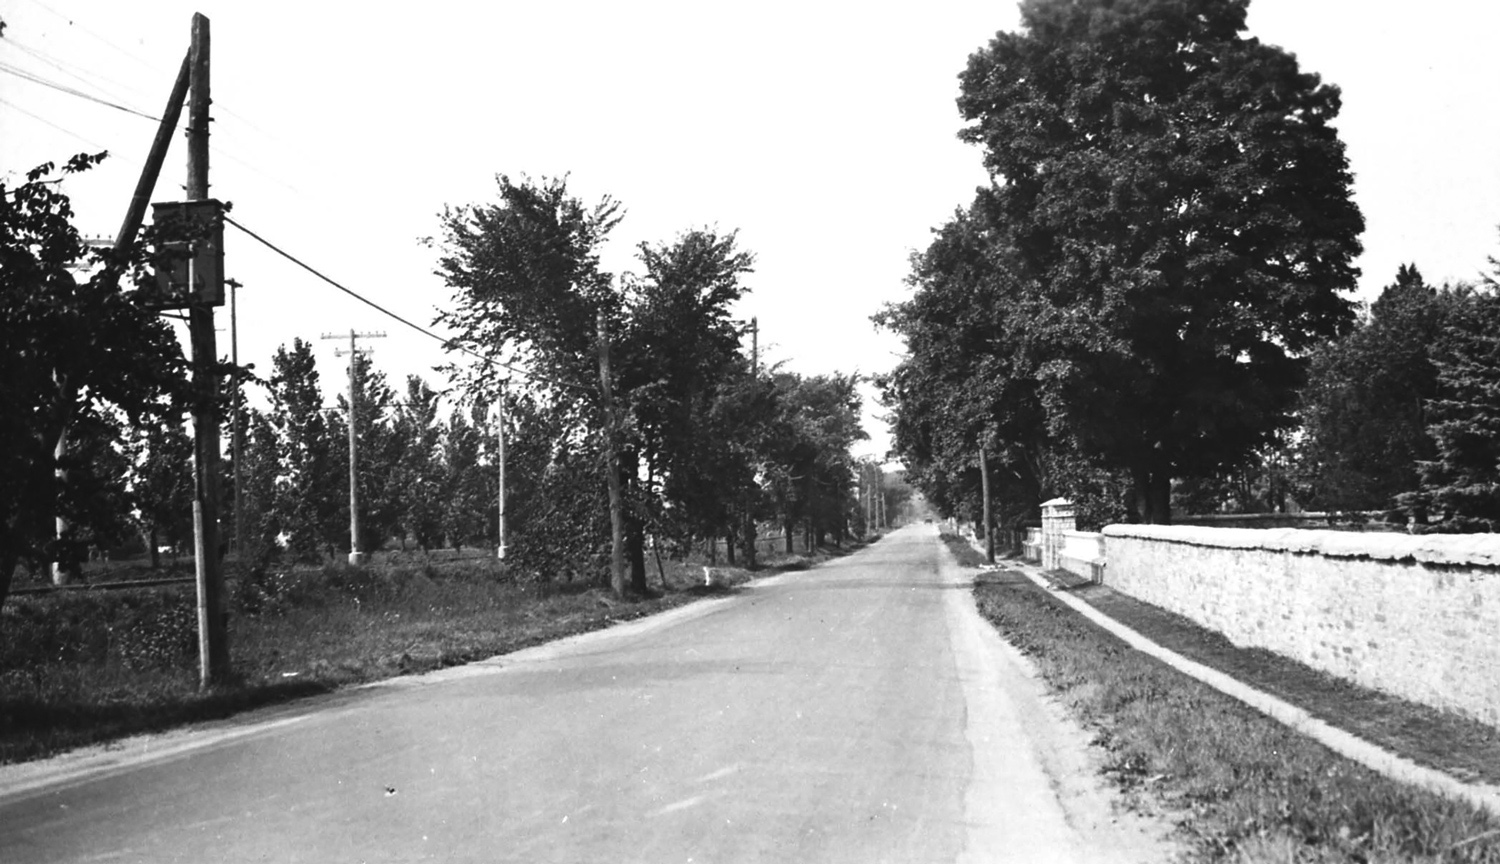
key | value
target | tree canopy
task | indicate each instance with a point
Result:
(692, 421)
(1167, 234)
(77, 353)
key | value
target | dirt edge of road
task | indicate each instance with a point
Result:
(1104, 828)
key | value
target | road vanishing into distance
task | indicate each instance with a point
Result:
(861, 712)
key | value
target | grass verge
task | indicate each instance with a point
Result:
(81, 667)
(1243, 787)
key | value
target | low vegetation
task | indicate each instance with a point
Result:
(1243, 787)
(84, 667)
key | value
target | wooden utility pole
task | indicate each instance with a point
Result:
(750, 537)
(500, 434)
(984, 483)
(213, 632)
(356, 555)
(611, 465)
(236, 441)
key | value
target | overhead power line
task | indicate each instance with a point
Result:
(71, 91)
(447, 343)
(40, 119)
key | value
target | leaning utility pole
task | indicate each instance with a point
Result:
(213, 632)
(356, 556)
(611, 465)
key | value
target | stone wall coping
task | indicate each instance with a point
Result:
(1479, 550)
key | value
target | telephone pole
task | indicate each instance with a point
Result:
(611, 465)
(750, 537)
(984, 483)
(213, 632)
(235, 440)
(356, 556)
(500, 434)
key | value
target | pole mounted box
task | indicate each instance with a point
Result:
(189, 246)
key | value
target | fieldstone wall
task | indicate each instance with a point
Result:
(1415, 616)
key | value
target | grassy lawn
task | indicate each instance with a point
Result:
(1243, 787)
(85, 667)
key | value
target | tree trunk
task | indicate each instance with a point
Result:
(1158, 498)
(635, 553)
(729, 549)
(8, 561)
(749, 541)
(155, 555)
(788, 530)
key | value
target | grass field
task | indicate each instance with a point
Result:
(1242, 787)
(84, 667)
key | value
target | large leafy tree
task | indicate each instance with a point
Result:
(1174, 207)
(417, 481)
(161, 483)
(469, 505)
(964, 385)
(529, 290)
(1364, 408)
(76, 352)
(810, 469)
(309, 496)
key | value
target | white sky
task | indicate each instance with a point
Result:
(823, 131)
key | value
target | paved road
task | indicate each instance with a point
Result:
(858, 712)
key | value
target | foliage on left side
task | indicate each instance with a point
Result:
(80, 358)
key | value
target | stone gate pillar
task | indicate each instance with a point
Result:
(1057, 517)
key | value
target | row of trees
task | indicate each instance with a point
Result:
(701, 442)
(706, 443)
(1132, 299)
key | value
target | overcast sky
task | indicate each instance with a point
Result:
(824, 132)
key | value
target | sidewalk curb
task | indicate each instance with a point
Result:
(1341, 742)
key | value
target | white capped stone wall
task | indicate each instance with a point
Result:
(1416, 616)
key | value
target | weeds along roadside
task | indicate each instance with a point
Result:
(84, 667)
(1241, 786)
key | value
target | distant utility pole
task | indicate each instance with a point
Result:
(984, 483)
(356, 556)
(500, 434)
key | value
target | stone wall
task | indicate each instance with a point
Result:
(1416, 616)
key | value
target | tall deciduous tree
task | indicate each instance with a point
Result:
(162, 485)
(417, 481)
(308, 491)
(1174, 204)
(74, 351)
(529, 288)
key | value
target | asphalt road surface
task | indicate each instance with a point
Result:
(858, 712)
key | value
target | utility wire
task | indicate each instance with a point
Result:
(71, 91)
(65, 68)
(40, 119)
(447, 343)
